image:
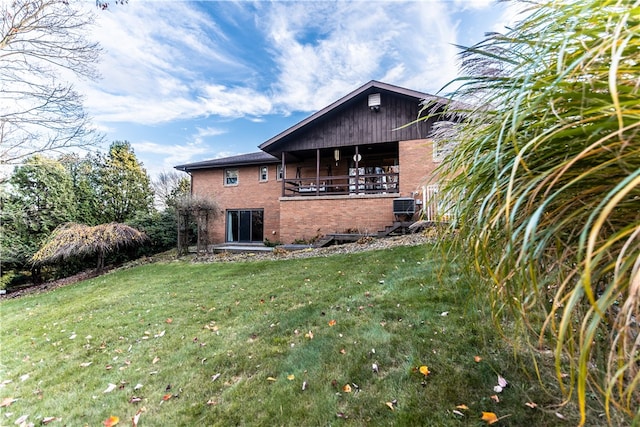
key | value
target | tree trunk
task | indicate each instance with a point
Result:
(100, 265)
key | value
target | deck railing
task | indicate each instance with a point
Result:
(372, 183)
(436, 208)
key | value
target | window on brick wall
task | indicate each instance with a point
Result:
(231, 177)
(264, 174)
(279, 174)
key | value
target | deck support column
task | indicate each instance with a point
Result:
(317, 171)
(357, 159)
(282, 167)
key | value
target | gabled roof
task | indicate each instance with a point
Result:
(256, 158)
(370, 87)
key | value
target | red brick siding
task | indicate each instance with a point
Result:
(289, 219)
(248, 194)
(416, 165)
(304, 218)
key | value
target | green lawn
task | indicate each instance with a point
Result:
(264, 343)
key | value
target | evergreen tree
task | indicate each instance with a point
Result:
(122, 185)
(80, 170)
(37, 198)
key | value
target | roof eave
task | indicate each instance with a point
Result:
(221, 163)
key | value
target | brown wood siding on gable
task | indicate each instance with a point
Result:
(357, 124)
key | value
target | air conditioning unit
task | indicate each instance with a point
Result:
(404, 206)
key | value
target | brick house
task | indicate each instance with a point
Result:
(357, 166)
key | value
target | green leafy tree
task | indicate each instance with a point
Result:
(37, 198)
(122, 185)
(546, 180)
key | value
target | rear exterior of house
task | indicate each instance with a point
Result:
(356, 166)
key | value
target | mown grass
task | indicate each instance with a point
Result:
(230, 344)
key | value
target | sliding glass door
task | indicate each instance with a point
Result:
(246, 225)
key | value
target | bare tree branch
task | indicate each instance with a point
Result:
(40, 42)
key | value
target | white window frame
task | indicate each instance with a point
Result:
(263, 177)
(228, 177)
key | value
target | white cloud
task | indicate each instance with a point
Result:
(473, 4)
(408, 43)
(173, 60)
(158, 157)
(159, 64)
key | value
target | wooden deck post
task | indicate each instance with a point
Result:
(283, 166)
(317, 171)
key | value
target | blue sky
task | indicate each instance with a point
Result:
(188, 81)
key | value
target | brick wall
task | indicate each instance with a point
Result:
(248, 194)
(304, 218)
(416, 165)
(307, 217)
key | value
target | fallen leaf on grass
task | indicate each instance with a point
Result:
(309, 335)
(346, 388)
(215, 377)
(85, 364)
(495, 398)
(47, 420)
(477, 359)
(138, 386)
(271, 379)
(155, 360)
(465, 407)
(7, 401)
(160, 334)
(424, 370)
(169, 320)
(135, 399)
(21, 420)
(489, 417)
(374, 367)
(343, 351)
(24, 377)
(332, 322)
(110, 388)
(167, 397)
(390, 406)
(531, 405)
(455, 411)
(304, 385)
(111, 421)
(136, 418)
(291, 377)
(502, 382)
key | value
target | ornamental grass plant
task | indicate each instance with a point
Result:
(545, 180)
